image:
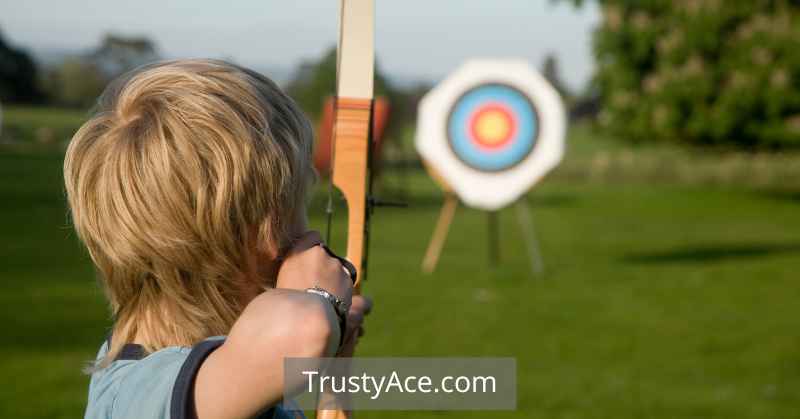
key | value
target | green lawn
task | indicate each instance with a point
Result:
(661, 299)
(39, 125)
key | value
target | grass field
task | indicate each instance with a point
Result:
(661, 298)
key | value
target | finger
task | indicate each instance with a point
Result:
(347, 348)
(361, 304)
(350, 342)
(368, 305)
(351, 337)
(355, 332)
(355, 319)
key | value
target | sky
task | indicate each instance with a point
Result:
(415, 39)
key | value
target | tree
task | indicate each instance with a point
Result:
(316, 80)
(18, 75)
(701, 71)
(117, 54)
(551, 71)
(79, 80)
(76, 82)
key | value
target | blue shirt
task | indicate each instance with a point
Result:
(159, 385)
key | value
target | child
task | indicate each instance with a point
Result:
(188, 187)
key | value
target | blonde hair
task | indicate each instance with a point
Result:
(184, 167)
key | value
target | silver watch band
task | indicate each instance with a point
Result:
(339, 306)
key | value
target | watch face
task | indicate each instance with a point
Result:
(492, 127)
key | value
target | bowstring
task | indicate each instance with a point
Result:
(332, 160)
(370, 178)
(329, 203)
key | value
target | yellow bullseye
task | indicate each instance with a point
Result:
(492, 127)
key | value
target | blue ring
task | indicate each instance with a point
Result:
(518, 147)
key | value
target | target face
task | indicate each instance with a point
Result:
(491, 130)
(492, 127)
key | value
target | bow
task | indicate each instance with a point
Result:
(352, 142)
(351, 156)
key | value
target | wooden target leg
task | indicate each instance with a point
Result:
(526, 225)
(446, 215)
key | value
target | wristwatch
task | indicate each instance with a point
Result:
(340, 307)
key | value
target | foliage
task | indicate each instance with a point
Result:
(701, 71)
(119, 54)
(79, 80)
(552, 72)
(76, 82)
(596, 158)
(17, 75)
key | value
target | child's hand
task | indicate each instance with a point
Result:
(308, 265)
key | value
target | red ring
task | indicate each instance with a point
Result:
(492, 107)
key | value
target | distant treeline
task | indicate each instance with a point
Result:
(75, 81)
(703, 72)
(17, 75)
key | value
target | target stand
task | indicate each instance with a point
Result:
(444, 221)
(487, 134)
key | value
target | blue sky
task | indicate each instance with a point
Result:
(415, 39)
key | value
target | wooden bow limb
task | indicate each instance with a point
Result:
(351, 133)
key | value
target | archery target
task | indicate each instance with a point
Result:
(492, 127)
(491, 130)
